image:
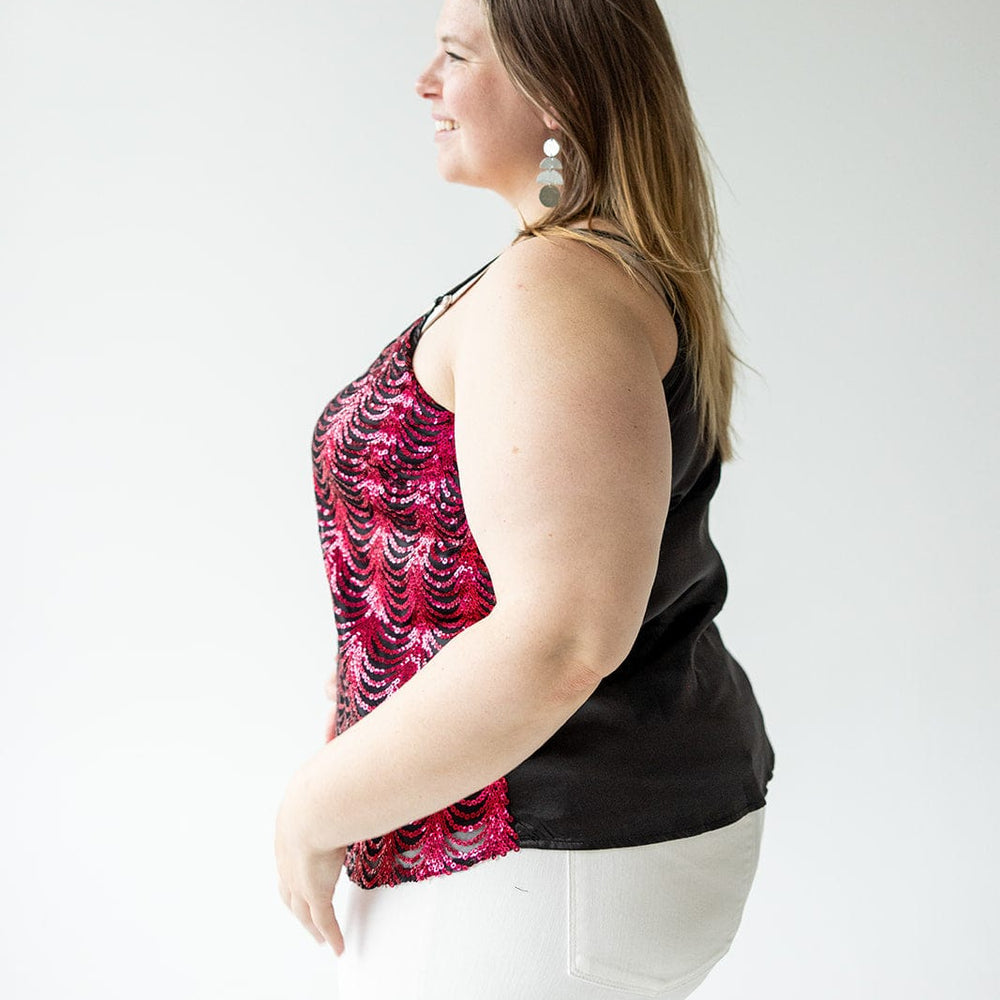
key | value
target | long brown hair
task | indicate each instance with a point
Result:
(632, 153)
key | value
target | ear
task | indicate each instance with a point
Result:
(549, 116)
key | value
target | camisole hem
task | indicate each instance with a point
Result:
(571, 844)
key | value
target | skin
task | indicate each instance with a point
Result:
(498, 143)
(553, 364)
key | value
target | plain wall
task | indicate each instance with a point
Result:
(213, 215)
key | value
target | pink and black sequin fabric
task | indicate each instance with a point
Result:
(406, 576)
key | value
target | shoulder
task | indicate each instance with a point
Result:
(566, 297)
(556, 294)
(550, 326)
(563, 269)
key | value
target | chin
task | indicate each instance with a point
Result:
(456, 173)
(452, 173)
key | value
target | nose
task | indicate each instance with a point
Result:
(427, 84)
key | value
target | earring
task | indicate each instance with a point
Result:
(550, 176)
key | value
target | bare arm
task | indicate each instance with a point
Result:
(563, 449)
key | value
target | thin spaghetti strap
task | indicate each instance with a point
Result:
(604, 232)
(451, 291)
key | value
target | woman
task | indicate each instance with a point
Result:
(585, 760)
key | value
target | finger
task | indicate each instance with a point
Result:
(326, 920)
(301, 909)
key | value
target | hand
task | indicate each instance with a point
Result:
(307, 875)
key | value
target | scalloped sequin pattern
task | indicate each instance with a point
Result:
(405, 576)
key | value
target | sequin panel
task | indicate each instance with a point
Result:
(406, 577)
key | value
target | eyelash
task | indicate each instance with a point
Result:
(451, 55)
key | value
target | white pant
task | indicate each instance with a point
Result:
(560, 925)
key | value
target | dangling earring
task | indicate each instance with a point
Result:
(550, 176)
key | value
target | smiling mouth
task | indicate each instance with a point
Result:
(445, 125)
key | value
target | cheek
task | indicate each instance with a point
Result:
(468, 101)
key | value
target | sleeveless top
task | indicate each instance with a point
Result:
(671, 744)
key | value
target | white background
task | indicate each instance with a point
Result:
(214, 214)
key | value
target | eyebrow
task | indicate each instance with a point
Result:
(448, 39)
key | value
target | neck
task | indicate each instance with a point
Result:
(527, 206)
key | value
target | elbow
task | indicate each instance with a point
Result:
(579, 680)
(570, 652)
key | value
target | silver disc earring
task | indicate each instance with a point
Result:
(550, 177)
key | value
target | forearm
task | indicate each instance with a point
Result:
(476, 710)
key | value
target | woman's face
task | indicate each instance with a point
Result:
(497, 137)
